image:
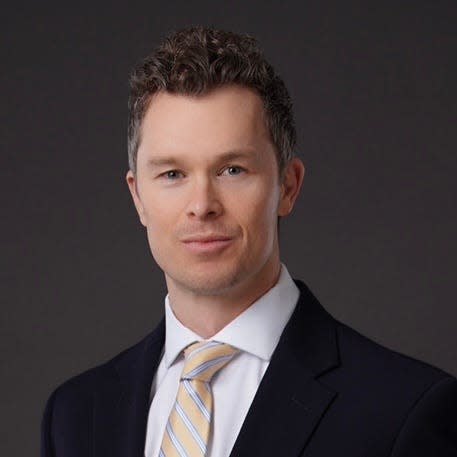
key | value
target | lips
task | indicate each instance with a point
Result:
(206, 238)
(207, 244)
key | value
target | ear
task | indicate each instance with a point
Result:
(131, 182)
(290, 187)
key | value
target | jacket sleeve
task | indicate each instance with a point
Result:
(47, 446)
(430, 428)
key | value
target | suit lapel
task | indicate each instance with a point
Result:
(121, 406)
(290, 400)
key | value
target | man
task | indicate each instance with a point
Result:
(246, 361)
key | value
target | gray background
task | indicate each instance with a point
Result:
(373, 233)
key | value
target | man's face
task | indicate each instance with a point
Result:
(208, 191)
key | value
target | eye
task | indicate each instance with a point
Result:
(233, 170)
(171, 174)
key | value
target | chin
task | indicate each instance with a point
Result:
(210, 283)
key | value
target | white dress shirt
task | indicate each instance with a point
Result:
(256, 332)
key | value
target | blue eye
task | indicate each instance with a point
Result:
(234, 170)
(172, 174)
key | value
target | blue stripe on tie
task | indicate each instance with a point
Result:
(176, 442)
(207, 345)
(197, 400)
(190, 426)
(209, 363)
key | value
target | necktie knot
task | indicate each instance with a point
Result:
(205, 358)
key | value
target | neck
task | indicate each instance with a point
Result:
(206, 315)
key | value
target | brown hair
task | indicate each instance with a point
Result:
(195, 60)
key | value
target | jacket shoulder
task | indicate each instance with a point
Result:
(396, 402)
(366, 355)
(381, 379)
(80, 387)
(69, 411)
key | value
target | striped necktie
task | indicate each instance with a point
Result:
(188, 427)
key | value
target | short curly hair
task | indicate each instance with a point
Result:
(195, 60)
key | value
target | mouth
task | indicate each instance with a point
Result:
(207, 244)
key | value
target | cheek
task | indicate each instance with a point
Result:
(160, 221)
(159, 233)
(258, 213)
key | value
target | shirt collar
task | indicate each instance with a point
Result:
(266, 318)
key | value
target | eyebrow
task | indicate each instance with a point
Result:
(160, 161)
(227, 156)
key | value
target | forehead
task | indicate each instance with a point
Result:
(227, 118)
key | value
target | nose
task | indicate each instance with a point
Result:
(203, 200)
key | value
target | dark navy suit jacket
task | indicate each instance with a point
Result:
(327, 392)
